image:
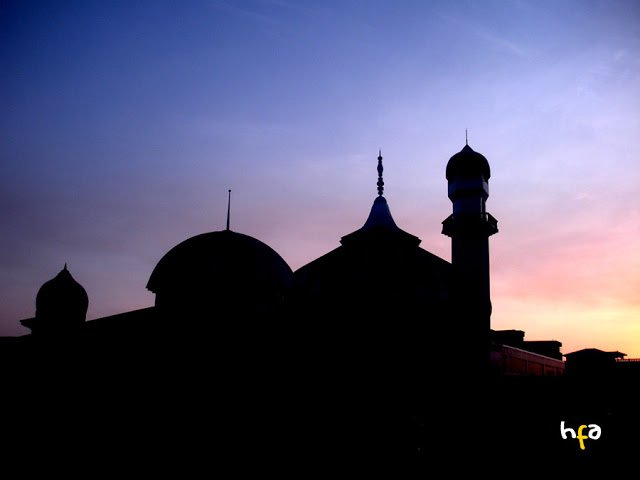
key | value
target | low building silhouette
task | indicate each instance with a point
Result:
(593, 362)
(512, 355)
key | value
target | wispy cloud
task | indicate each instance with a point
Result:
(475, 29)
(234, 8)
(500, 42)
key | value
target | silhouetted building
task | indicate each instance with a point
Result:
(378, 298)
(515, 338)
(328, 363)
(511, 354)
(592, 362)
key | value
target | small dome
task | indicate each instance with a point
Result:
(212, 269)
(468, 163)
(62, 298)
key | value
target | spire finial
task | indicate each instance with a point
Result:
(228, 209)
(380, 169)
(65, 266)
(466, 137)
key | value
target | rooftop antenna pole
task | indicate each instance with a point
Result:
(228, 209)
(466, 137)
(380, 181)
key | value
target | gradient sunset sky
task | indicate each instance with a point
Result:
(123, 124)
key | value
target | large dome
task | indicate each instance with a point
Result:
(468, 163)
(213, 269)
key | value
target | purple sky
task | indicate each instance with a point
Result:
(124, 123)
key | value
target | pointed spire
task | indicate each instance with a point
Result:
(228, 209)
(380, 169)
(65, 266)
(466, 137)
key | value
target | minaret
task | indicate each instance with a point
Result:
(470, 227)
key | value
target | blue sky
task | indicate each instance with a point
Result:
(124, 124)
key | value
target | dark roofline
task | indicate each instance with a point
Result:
(615, 354)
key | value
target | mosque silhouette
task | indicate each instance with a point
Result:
(378, 294)
(362, 354)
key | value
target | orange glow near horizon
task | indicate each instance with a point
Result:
(577, 326)
(580, 287)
